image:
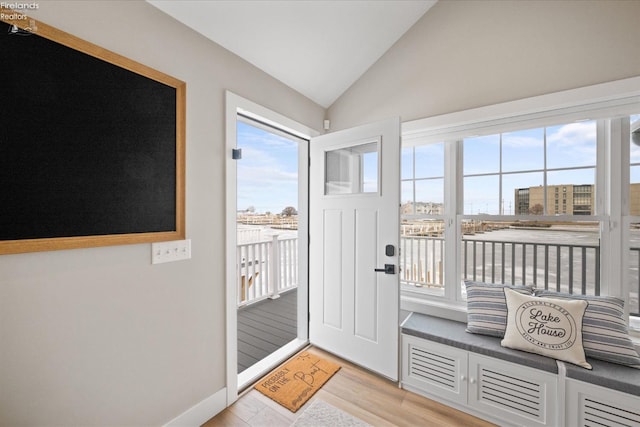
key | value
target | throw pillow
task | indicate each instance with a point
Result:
(487, 307)
(546, 326)
(604, 330)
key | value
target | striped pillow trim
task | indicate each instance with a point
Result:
(487, 307)
(604, 331)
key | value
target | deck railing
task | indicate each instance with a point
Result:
(421, 261)
(266, 269)
(560, 267)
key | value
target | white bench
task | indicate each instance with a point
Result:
(475, 374)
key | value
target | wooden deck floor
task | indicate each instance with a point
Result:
(264, 327)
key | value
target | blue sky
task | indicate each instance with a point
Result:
(568, 146)
(268, 170)
(523, 156)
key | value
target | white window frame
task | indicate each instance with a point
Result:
(608, 103)
(627, 220)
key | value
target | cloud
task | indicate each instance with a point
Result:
(573, 134)
(267, 175)
(254, 136)
(523, 139)
(574, 138)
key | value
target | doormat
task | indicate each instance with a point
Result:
(293, 383)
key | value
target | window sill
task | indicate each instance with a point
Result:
(634, 332)
(444, 309)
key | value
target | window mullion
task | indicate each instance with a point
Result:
(545, 199)
(501, 176)
(602, 202)
(413, 181)
(610, 190)
(624, 208)
(452, 197)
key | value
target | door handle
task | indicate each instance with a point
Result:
(388, 269)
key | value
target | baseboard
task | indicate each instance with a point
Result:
(201, 412)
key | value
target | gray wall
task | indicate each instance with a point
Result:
(100, 336)
(467, 54)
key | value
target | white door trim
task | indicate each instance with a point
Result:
(235, 104)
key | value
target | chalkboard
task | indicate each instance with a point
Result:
(91, 145)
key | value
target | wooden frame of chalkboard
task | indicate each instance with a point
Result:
(92, 144)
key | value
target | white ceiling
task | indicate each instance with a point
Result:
(317, 47)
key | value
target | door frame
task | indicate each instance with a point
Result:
(235, 104)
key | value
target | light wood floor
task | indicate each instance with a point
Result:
(356, 391)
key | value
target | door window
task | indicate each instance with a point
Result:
(352, 170)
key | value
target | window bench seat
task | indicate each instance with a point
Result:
(452, 333)
(475, 374)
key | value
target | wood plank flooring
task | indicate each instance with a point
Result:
(356, 391)
(265, 327)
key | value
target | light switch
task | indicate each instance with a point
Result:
(175, 250)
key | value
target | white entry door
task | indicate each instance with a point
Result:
(354, 235)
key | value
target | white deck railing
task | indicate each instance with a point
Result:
(270, 267)
(266, 269)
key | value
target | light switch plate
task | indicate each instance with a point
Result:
(175, 250)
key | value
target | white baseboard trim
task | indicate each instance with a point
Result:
(201, 412)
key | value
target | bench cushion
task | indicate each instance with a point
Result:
(609, 375)
(452, 333)
(487, 307)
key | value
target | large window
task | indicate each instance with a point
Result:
(543, 171)
(527, 186)
(521, 202)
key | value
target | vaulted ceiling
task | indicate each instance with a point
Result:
(317, 47)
